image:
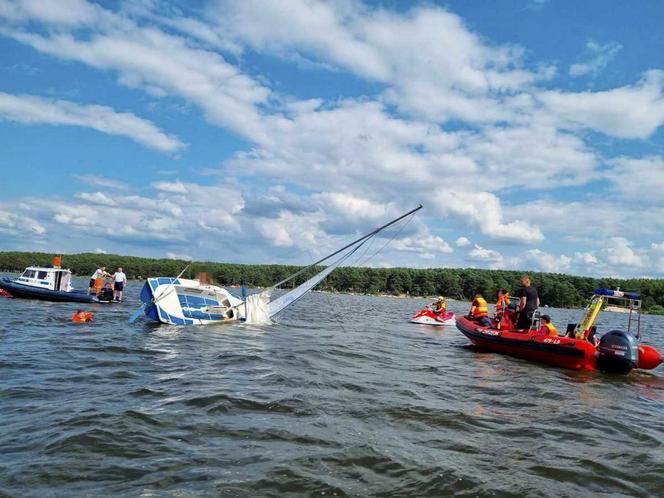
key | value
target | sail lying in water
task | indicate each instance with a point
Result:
(179, 301)
(289, 298)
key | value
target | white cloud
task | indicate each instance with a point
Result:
(483, 211)
(180, 256)
(620, 253)
(598, 57)
(96, 198)
(435, 65)
(62, 12)
(634, 111)
(19, 224)
(426, 245)
(586, 258)
(38, 110)
(176, 187)
(548, 262)
(161, 64)
(101, 181)
(99, 250)
(638, 180)
(479, 253)
(462, 242)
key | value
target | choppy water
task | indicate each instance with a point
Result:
(343, 397)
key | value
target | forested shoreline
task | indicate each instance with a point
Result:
(559, 290)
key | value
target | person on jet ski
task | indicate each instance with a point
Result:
(439, 306)
(479, 311)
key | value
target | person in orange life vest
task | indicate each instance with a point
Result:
(81, 316)
(99, 273)
(547, 327)
(479, 311)
(502, 303)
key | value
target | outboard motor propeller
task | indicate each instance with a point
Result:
(618, 352)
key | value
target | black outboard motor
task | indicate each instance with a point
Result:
(618, 352)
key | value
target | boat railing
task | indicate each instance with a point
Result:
(536, 321)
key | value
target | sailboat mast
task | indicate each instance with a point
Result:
(364, 237)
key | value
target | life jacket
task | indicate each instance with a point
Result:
(502, 303)
(481, 308)
(99, 283)
(548, 329)
(85, 316)
(440, 308)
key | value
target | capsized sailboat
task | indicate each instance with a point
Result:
(180, 301)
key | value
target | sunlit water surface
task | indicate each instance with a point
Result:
(342, 397)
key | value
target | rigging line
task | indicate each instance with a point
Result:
(392, 239)
(363, 238)
(397, 233)
(366, 250)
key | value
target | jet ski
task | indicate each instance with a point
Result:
(430, 317)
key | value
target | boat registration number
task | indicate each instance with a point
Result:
(551, 341)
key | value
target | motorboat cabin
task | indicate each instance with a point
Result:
(55, 279)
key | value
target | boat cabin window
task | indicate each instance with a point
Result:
(29, 274)
(42, 275)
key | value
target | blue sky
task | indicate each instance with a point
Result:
(273, 132)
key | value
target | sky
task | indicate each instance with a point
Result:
(275, 132)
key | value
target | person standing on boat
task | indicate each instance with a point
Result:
(99, 273)
(120, 281)
(528, 303)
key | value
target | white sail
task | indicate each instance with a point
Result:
(290, 297)
(257, 308)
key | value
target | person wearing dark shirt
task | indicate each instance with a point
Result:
(528, 303)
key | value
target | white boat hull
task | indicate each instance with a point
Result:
(188, 302)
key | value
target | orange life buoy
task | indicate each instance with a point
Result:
(82, 316)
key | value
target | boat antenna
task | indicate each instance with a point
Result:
(361, 239)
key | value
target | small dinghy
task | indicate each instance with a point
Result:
(430, 317)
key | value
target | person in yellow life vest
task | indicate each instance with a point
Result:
(547, 327)
(502, 303)
(439, 306)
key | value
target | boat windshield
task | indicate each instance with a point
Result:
(29, 274)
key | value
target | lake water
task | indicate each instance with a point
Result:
(343, 397)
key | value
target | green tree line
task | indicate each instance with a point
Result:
(555, 289)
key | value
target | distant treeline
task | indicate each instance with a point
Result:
(555, 289)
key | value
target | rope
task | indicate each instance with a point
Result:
(404, 225)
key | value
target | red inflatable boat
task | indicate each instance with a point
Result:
(615, 351)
